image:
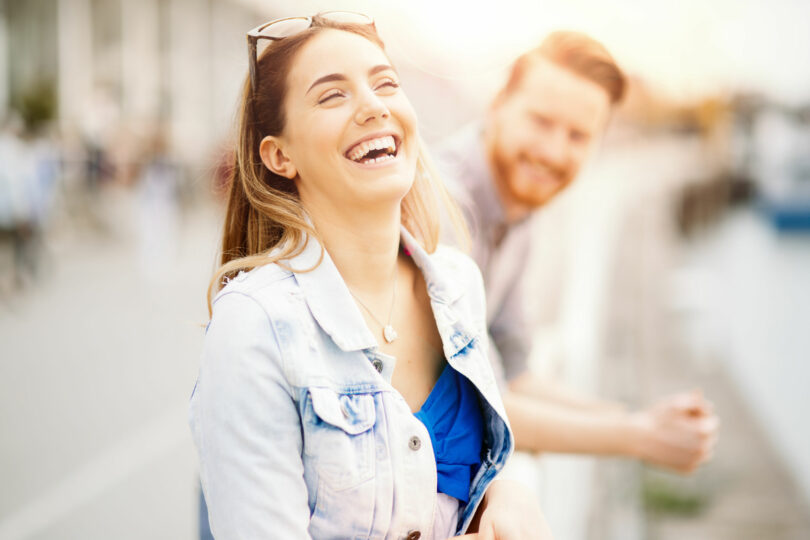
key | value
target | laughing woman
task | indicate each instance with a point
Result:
(344, 389)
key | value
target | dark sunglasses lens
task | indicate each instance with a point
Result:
(347, 17)
(285, 27)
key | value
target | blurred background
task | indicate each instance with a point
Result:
(680, 259)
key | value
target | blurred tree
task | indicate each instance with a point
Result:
(37, 105)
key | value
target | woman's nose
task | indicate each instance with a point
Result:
(371, 107)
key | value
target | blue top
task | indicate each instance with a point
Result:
(452, 416)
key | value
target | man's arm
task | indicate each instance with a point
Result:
(678, 432)
(555, 393)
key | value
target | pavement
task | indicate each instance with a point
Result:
(99, 358)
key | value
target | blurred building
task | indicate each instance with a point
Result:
(109, 67)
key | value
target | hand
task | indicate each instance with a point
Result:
(509, 511)
(678, 432)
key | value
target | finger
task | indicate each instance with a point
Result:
(693, 403)
(508, 530)
(710, 444)
(683, 404)
(689, 431)
(707, 426)
(486, 531)
(697, 404)
(678, 450)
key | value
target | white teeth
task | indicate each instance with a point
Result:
(357, 152)
(379, 159)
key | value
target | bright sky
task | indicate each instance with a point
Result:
(685, 48)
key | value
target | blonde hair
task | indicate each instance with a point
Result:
(264, 220)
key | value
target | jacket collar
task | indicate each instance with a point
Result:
(335, 310)
(440, 287)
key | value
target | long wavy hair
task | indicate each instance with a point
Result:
(264, 219)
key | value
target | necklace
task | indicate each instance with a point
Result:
(389, 334)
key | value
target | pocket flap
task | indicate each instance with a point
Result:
(353, 413)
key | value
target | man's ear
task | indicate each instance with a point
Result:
(275, 159)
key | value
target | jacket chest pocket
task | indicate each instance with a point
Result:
(338, 437)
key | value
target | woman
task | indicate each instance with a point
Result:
(344, 391)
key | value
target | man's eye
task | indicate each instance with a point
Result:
(329, 96)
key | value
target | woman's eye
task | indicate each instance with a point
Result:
(389, 83)
(329, 96)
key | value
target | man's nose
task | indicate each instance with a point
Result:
(370, 107)
(555, 147)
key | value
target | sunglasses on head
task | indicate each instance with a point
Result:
(289, 26)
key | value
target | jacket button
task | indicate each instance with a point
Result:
(415, 444)
(414, 535)
(378, 365)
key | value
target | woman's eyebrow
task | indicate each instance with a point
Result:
(379, 68)
(327, 78)
(340, 77)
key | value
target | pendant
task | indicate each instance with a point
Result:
(389, 333)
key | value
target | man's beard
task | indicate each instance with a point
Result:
(523, 192)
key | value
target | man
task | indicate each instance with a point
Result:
(538, 132)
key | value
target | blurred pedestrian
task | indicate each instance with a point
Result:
(158, 194)
(28, 177)
(539, 130)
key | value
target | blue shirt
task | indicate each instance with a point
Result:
(452, 416)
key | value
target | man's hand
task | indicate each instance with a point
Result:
(678, 432)
(509, 511)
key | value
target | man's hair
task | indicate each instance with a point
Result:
(580, 55)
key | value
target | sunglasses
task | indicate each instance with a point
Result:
(290, 26)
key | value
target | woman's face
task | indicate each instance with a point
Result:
(350, 132)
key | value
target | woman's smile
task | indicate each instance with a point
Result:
(375, 150)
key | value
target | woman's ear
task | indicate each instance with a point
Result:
(275, 159)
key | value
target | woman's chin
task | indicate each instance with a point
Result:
(382, 183)
(391, 189)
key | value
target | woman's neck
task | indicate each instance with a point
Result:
(363, 246)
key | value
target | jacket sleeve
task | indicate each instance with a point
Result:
(247, 429)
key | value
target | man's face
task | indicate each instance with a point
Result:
(540, 134)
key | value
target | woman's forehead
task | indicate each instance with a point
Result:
(334, 51)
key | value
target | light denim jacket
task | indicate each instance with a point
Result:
(299, 431)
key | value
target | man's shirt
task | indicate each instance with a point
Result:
(500, 249)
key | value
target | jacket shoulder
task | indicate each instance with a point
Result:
(259, 280)
(268, 286)
(259, 307)
(456, 263)
(462, 277)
